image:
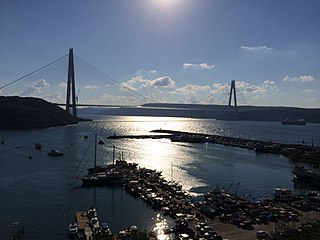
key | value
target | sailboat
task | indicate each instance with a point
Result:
(100, 175)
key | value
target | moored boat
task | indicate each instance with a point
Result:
(73, 230)
(102, 175)
(283, 194)
(38, 146)
(300, 121)
(102, 178)
(306, 175)
(55, 153)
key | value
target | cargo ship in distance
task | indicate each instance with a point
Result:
(300, 121)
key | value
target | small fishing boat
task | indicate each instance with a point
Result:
(73, 230)
(300, 121)
(55, 153)
(38, 146)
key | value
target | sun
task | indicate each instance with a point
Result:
(166, 4)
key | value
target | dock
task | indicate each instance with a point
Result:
(82, 220)
(216, 214)
(296, 152)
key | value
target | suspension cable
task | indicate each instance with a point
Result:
(115, 81)
(17, 80)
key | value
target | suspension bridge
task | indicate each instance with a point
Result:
(93, 88)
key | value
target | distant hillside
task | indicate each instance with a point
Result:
(221, 112)
(28, 113)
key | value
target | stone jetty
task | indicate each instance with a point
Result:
(296, 152)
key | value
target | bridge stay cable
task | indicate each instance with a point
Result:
(16, 88)
(115, 81)
(33, 72)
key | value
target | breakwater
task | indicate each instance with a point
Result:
(296, 152)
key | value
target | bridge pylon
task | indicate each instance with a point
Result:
(71, 86)
(233, 87)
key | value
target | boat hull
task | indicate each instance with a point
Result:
(294, 122)
(86, 181)
(305, 175)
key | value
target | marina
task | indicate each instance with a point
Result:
(214, 214)
(197, 168)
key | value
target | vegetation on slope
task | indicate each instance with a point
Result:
(17, 113)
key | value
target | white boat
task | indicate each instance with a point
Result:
(73, 229)
(94, 223)
(283, 194)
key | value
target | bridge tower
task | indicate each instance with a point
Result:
(71, 86)
(233, 87)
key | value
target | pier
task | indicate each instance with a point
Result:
(296, 152)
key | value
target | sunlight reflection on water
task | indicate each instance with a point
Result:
(159, 228)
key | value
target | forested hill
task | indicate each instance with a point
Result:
(17, 113)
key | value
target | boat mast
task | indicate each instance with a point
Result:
(113, 155)
(95, 151)
(171, 172)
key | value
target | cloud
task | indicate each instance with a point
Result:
(191, 93)
(311, 90)
(220, 88)
(126, 86)
(304, 78)
(191, 89)
(54, 96)
(165, 82)
(121, 99)
(256, 89)
(198, 66)
(63, 85)
(139, 82)
(256, 49)
(36, 88)
(243, 90)
(41, 83)
(91, 87)
(134, 83)
(143, 71)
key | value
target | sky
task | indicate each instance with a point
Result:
(179, 51)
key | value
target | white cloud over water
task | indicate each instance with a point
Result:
(91, 87)
(256, 48)
(139, 82)
(198, 66)
(303, 78)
